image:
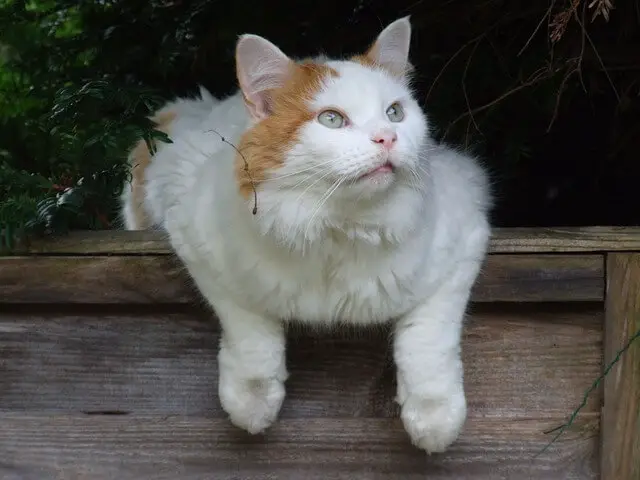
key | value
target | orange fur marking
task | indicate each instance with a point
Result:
(140, 159)
(264, 145)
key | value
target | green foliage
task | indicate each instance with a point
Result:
(88, 132)
(65, 127)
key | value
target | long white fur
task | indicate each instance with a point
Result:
(404, 248)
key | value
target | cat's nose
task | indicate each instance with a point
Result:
(385, 138)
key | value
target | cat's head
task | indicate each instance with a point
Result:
(348, 129)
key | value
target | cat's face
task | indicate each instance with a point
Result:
(348, 128)
(366, 131)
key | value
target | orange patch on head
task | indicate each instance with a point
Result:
(264, 146)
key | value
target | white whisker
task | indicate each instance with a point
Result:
(322, 201)
(297, 172)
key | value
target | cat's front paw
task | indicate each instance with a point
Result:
(252, 404)
(433, 424)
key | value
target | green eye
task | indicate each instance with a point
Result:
(331, 119)
(395, 113)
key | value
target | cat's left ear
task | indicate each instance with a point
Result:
(391, 48)
(261, 67)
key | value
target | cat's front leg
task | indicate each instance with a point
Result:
(430, 374)
(252, 367)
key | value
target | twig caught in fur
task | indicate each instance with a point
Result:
(246, 169)
(562, 428)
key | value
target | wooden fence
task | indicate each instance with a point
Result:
(108, 371)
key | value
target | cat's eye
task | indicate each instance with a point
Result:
(395, 112)
(331, 119)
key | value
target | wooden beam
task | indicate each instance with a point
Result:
(132, 447)
(134, 397)
(504, 240)
(621, 410)
(533, 362)
(577, 239)
(163, 280)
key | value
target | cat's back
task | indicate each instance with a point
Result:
(461, 199)
(199, 129)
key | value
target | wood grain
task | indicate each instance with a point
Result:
(504, 240)
(162, 279)
(527, 363)
(557, 240)
(103, 280)
(541, 278)
(621, 410)
(36, 447)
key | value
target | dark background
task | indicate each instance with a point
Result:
(546, 94)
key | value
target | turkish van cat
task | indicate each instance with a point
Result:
(316, 194)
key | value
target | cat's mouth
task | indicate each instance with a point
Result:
(386, 168)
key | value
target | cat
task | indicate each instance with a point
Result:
(316, 194)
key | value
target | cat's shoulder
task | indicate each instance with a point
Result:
(460, 177)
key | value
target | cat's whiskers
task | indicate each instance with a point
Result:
(323, 172)
(323, 200)
(306, 169)
(329, 172)
(415, 179)
(297, 200)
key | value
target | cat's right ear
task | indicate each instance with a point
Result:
(260, 68)
(391, 48)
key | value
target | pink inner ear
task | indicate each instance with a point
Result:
(261, 67)
(391, 48)
(258, 105)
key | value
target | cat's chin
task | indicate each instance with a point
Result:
(375, 181)
(385, 169)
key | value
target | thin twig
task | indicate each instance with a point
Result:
(535, 78)
(464, 89)
(597, 54)
(246, 169)
(582, 46)
(453, 57)
(563, 85)
(562, 428)
(546, 15)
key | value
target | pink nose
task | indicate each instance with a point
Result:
(385, 138)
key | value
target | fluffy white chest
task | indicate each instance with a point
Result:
(336, 284)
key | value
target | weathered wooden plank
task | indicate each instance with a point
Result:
(621, 410)
(106, 280)
(576, 239)
(504, 240)
(162, 279)
(195, 448)
(541, 278)
(99, 242)
(527, 363)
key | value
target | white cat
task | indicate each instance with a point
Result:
(336, 207)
